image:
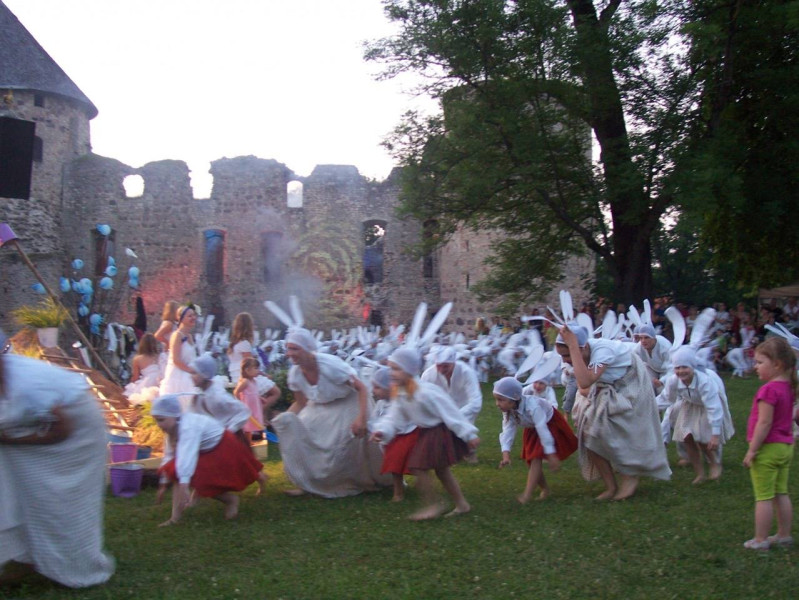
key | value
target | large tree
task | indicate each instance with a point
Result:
(525, 86)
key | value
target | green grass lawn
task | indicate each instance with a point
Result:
(672, 540)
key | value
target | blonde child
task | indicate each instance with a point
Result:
(443, 435)
(395, 452)
(546, 434)
(770, 435)
(247, 391)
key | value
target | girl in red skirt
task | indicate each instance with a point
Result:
(546, 434)
(443, 435)
(395, 452)
(200, 454)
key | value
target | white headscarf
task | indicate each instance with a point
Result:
(303, 338)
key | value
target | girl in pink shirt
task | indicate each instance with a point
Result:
(770, 437)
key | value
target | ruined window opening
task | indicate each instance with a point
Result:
(374, 233)
(104, 246)
(38, 149)
(270, 255)
(376, 318)
(134, 186)
(214, 258)
(428, 261)
(294, 194)
(38, 100)
(467, 281)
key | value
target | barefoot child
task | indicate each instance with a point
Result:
(546, 433)
(247, 391)
(200, 454)
(395, 453)
(444, 434)
(770, 435)
(697, 413)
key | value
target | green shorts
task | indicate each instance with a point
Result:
(769, 470)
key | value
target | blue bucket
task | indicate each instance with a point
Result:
(271, 437)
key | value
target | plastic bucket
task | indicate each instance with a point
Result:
(118, 439)
(126, 480)
(143, 452)
(123, 452)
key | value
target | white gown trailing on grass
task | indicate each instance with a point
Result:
(320, 454)
(51, 503)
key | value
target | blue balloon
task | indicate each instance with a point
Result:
(83, 310)
(111, 261)
(86, 285)
(38, 288)
(104, 229)
(76, 287)
(77, 264)
(133, 272)
(64, 284)
(110, 270)
(106, 283)
(95, 319)
(86, 298)
(133, 282)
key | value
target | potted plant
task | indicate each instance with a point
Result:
(46, 317)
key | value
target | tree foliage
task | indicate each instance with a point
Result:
(526, 85)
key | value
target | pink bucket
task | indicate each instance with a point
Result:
(123, 452)
(126, 480)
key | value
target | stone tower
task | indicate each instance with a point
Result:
(34, 88)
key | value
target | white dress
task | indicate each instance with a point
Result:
(235, 358)
(146, 387)
(177, 380)
(320, 454)
(51, 513)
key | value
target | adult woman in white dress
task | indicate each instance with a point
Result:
(615, 413)
(52, 473)
(182, 352)
(322, 436)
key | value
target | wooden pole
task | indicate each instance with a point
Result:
(72, 322)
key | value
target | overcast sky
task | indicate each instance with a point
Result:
(197, 80)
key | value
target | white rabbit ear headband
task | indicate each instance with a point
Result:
(297, 334)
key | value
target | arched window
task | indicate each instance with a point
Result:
(271, 258)
(294, 194)
(214, 256)
(374, 232)
(134, 186)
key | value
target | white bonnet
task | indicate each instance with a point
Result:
(382, 378)
(303, 338)
(167, 405)
(684, 356)
(579, 331)
(407, 359)
(508, 387)
(445, 354)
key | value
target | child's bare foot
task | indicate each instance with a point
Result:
(544, 494)
(397, 498)
(429, 512)
(262, 479)
(232, 507)
(683, 462)
(523, 498)
(294, 492)
(715, 471)
(627, 487)
(699, 479)
(168, 522)
(458, 510)
(607, 494)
